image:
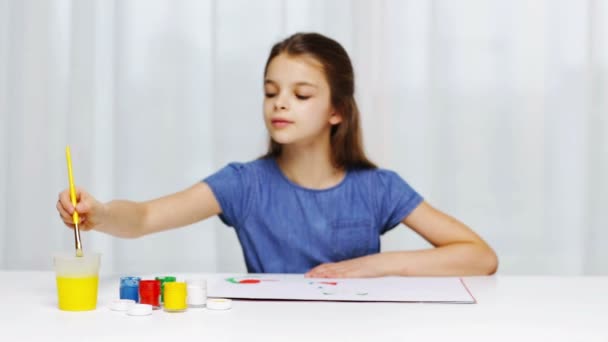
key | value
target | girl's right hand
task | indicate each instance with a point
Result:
(89, 209)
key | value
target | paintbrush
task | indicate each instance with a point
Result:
(75, 217)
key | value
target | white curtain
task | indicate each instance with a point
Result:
(495, 111)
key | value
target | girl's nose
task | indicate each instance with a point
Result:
(281, 103)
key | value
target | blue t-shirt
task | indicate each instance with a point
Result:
(286, 228)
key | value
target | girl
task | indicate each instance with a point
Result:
(314, 203)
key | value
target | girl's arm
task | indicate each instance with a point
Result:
(459, 251)
(177, 210)
(130, 219)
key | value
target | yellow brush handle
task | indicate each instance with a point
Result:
(71, 179)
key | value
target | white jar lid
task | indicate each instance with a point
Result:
(219, 304)
(140, 310)
(122, 304)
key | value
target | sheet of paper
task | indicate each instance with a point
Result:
(386, 289)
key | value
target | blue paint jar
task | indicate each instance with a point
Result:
(129, 288)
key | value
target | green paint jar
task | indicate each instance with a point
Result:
(163, 280)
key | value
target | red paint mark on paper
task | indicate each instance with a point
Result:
(235, 280)
(329, 282)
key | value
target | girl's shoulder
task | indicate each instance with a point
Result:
(254, 171)
(376, 175)
(261, 164)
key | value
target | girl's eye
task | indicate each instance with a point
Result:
(269, 95)
(301, 97)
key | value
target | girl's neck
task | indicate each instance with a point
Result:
(310, 166)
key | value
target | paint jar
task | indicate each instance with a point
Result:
(197, 293)
(129, 288)
(175, 296)
(77, 281)
(164, 280)
(149, 292)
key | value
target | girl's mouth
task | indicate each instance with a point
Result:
(280, 123)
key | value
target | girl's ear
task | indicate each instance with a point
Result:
(335, 118)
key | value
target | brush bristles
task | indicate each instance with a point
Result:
(77, 237)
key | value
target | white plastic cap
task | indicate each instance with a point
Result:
(219, 304)
(140, 310)
(122, 304)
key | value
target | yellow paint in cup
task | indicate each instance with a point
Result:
(175, 297)
(77, 294)
(77, 281)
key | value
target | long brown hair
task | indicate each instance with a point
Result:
(345, 138)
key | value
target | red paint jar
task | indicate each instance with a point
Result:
(149, 293)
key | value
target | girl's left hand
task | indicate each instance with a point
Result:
(362, 267)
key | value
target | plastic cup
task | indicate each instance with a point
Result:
(77, 281)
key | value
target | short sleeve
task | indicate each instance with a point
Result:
(232, 187)
(397, 200)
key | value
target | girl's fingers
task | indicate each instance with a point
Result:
(82, 225)
(83, 206)
(62, 212)
(64, 199)
(68, 221)
(68, 224)
(67, 217)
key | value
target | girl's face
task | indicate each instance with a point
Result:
(297, 106)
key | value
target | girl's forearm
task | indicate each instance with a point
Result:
(123, 219)
(457, 259)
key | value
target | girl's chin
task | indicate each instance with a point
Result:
(282, 139)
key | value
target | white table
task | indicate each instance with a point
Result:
(508, 309)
